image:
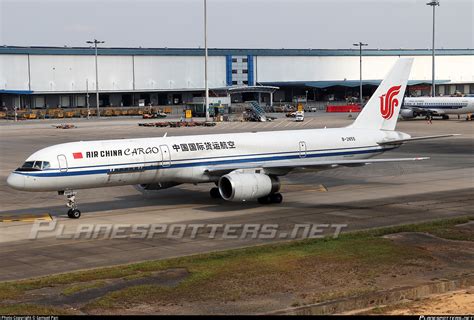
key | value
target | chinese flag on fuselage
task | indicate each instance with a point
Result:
(77, 155)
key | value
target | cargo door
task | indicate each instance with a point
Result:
(302, 149)
(166, 156)
(125, 163)
(62, 163)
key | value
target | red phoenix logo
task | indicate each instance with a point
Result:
(388, 102)
(77, 155)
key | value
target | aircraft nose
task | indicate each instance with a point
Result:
(16, 181)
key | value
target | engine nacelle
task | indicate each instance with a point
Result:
(408, 113)
(241, 186)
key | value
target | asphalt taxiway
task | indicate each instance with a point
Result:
(363, 197)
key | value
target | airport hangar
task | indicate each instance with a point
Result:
(39, 77)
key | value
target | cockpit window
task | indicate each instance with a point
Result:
(28, 164)
(34, 166)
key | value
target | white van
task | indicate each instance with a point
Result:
(299, 116)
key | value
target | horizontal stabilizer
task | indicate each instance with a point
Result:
(400, 141)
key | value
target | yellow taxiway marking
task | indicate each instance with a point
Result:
(26, 218)
(303, 188)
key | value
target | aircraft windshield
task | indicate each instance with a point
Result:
(34, 166)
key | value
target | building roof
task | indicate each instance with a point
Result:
(224, 52)
(245, 89)
(343, 83)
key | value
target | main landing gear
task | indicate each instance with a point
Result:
(73, 212)
(271, 198)
(215, 194)
(443, 117)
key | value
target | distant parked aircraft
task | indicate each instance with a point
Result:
(436, 106)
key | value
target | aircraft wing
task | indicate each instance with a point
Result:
(300, 164)
(400, 141)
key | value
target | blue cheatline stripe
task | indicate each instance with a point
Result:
(435, 107)
(206, 163)
(214, 157)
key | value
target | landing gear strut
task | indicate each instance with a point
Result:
(271, 198)
(215, 194)
(73, 212)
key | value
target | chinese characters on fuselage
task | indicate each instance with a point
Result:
(202, 146)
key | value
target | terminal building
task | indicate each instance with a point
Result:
(50, 77)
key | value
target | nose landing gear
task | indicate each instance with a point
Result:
(73, 212)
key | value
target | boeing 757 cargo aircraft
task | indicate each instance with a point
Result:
(244, 166)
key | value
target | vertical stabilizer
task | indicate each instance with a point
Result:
(381, 112)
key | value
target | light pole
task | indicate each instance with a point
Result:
(95, 42)
(433, 3)
(360, 45)
(306, 99)
(87, 99)
(205, 62)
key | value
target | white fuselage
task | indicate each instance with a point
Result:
(186, 159)
(441, 105)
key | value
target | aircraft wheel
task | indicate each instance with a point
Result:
(276, 198)
(74, 213)
(445, 117)
(215, 194)
(265, 200)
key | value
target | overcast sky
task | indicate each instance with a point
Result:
(237, 23)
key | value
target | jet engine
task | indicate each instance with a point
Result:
(408, 113)
(241, 186)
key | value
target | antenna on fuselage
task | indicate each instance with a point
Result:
(166, 133)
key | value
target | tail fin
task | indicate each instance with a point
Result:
(381, 112)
